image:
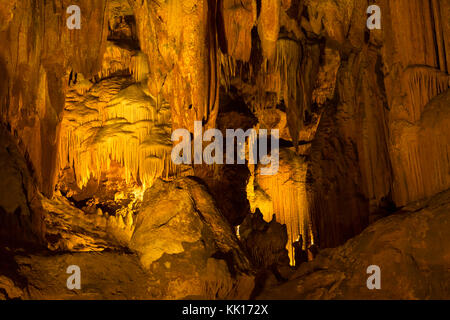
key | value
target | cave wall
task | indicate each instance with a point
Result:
(415, 55)
(350, 167)
(370, 151)
(38, 51)
(180, 40)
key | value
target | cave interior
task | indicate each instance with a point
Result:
(362, 123)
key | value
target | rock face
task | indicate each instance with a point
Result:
(411, 247)
(34, 67)
(21, 218)
(187, 243)
(185, 246)
(265, 242)
(426, 135)
(415, 75)
(180, 40)
(107, 275)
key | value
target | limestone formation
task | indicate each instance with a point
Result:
(86, 170)
(180, 234)
(410, 248)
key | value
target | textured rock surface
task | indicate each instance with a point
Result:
(20, 209)
(265, 242)
(286, 197)
(180, 40)
(412, 249)
(414, 144)
(414, 75)
(86, 117)
(108, 275)
(183, 238)
(34, 68)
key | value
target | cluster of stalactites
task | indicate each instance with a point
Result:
(280, 76)
(424, 83)
(284, 195)
(116, 121)
(117, 59)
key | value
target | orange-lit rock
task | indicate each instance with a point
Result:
(180, 40)
(286, 198)
(182, 237)
(239, 17)
(86, 175)
(37, 50)
(410, 247)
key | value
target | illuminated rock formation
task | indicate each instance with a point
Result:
(178, 233)
(410, 248)
(414, 144)
(415, 75)
(179, 37)
(37, 49)
(116, 121)
(239, 17)
(86, 176)
(287, 193)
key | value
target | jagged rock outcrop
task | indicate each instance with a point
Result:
(264, 241)
(71, 229)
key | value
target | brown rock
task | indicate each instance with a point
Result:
(182, 239)
(411, 248)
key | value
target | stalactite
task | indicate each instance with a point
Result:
(413, 147)
(269, 26)
(239, 17)
(139, 66)
(111, 123)
(180, 40)
(281, 76)
(423, 83)
(287, 190)
(117, 59)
